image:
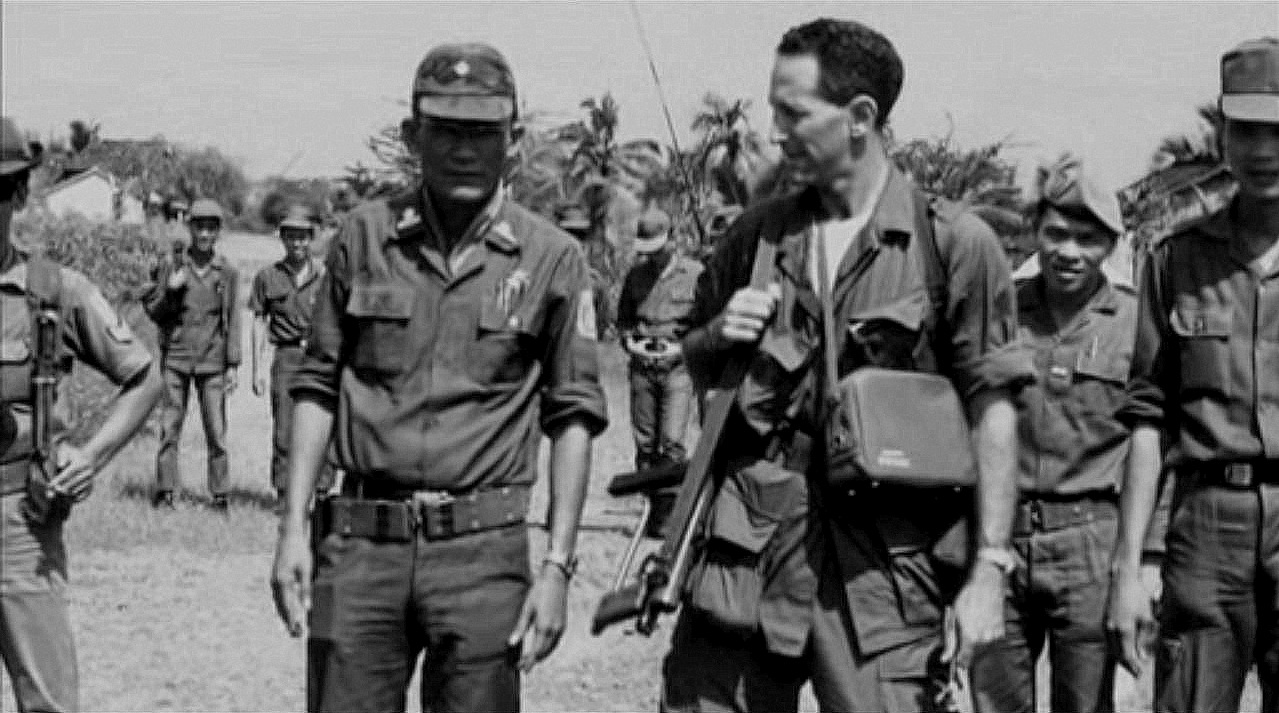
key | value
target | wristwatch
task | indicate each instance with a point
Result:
(566, 563)
(1001, 557)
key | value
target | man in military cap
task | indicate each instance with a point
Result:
(193, 301)
(281, 300)
(652, 316)
(35, 632)
(452, 323)
(803, 579)
(1205, 381)
(1071, 451)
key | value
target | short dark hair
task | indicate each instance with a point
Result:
(852, 59)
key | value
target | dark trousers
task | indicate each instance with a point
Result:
(1220, 606)
(286, 361)
(377, 605)
(1057, 597)
(210, 389)
(661, 398)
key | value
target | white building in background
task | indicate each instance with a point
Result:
(94, 194)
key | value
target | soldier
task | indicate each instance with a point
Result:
(1205, 381)
(281, 300)
(194, 303)
(652, 316)
(1071, 450)
(452, 323)
(35, 631)
(800, 580)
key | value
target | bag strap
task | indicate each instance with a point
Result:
(936, 276)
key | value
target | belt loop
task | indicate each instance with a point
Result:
(1238, 475)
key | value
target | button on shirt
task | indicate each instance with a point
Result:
(658, 302)
(440, 368)
(1206, 361)
(91, 332)
(287, 304)
(200, 321)
(1070, 438)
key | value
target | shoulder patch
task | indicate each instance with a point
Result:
(586, 315)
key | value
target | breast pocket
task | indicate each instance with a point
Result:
(15, 370)
(1203, 340)
(1101, 381)
(505, 346)
(381, 315)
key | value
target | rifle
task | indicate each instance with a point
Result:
(43, 503)
(662, 577)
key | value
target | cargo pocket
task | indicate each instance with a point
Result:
(504, 348)
(381, 313)
(729, 581)
(15, 371)
(1204, 334)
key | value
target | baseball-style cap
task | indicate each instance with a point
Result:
(205, 208)
(16, 152)
(470, 81)
(1064, 185)
(572, 217)
(1250, 81)
(300, 217)
(653, 231)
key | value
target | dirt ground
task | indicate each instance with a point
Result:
(172, 610)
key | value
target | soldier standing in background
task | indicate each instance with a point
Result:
(281, 300)
(1071, 452)
(194, 303)
(35, 631)
(1205, 382)
(452, 323)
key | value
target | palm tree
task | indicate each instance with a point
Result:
(729, 148)
(1201, 146)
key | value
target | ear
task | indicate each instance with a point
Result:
(863, 113)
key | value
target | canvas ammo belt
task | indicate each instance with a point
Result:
(399, 515)
(1056, 512)
(1234, 474)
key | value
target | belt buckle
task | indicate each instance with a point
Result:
(302, 344)
(1238, 475)
(434, 512)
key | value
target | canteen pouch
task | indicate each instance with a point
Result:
(897, 427)
(755, 512)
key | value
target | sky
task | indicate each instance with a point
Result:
(297, 87)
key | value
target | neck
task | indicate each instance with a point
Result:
(1258, 215)
(296, 264)
(455, 217)
(855, 190)
(1065, 304)
(201, 257)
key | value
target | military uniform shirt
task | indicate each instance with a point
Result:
(440, 369)
(91, 332)
(286, 305)
(1206, 362)
(658, 303)
(1069, 436)
(199, 322)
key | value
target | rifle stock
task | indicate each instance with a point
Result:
(42, 502)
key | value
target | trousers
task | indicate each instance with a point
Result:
(661, 399)
(35, 628)
(286, 361)
(210, 389)
(377, 605)
(1219, 614)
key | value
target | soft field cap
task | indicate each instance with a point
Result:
(15, 151)
(653, 231)
(1064, 185)
(299, 217)
(1250, 81)
(470, 81)
(205, 208)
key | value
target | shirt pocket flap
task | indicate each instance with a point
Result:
(1201, 321)
(14, 352)
(754, 502)
(1105, 366)
(784, 349)
(380, 301)
(495, 318)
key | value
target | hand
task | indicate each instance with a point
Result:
(634, 345)
(76, 469)
(748, 312)
(232, 379)
(177, 279)
(291, 580)
(1130, 619)
(979, 615)
(259, 385)
(542, 619)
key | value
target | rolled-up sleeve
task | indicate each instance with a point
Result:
(982, 312)
(1150, 374)
(317, 376)
(96, 334)
(727, 270)
(571, 391)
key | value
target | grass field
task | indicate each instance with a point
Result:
(172, 610)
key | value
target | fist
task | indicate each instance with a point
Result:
(177, 278)
(748, 312)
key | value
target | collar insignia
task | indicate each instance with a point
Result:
(462, 69)
(409, 218)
